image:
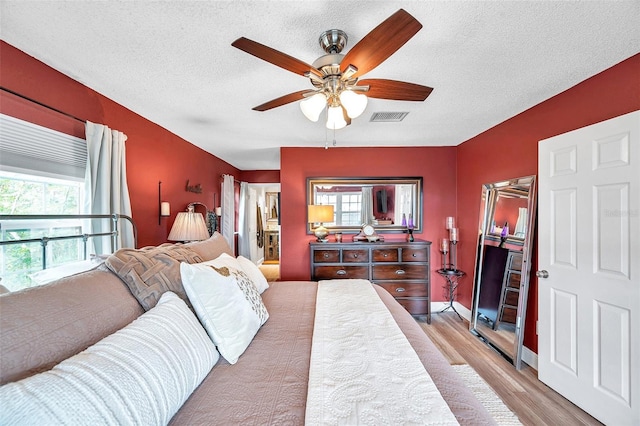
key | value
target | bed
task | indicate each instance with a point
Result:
(40, 327)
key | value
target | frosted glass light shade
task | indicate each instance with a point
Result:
(312, 106)
(189, 226)
(354, 103)
(335, 119)
(165, 209)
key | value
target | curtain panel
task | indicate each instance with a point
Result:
(106, 189)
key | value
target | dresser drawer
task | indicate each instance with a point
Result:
(340, 272)
(509, 315)
(512, 298)
(400, 271)
(401, 289)
(515, 261)
(513, 280)
(355, 256)
(414, 255)
(385, 255)
(415, 306)
(326, 256)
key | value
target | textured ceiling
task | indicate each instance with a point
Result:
(172, 62)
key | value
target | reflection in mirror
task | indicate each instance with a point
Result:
(503, 264)
(389, 204)
(273, 208)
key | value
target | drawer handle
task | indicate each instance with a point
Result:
(386, 255)
(414, 255)
(400, 290)
(355, 255)
(400, 272)
(326, 255)
(341, 272)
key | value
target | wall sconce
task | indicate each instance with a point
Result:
(164, 208)
(320, 214)
(189, 226)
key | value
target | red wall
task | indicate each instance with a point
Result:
(260, 176)
(613, 92)
(436, 165)
(153, 153)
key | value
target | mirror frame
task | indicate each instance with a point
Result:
(312, 182)
(487, 210)
(271, 199)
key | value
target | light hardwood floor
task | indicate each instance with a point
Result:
(531, 400)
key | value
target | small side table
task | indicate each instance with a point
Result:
(451, 276)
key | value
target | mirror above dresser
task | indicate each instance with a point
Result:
(389, 204)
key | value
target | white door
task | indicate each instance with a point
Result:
(589, 243)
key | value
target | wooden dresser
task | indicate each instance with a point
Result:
(508, 307)
(402, 268)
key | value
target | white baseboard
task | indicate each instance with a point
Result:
(528, 356)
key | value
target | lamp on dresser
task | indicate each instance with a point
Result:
(317, 213)
(188, 226)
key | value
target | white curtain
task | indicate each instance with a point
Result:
(228, 210)
(244, 217)
(106, 190)
(367, 205)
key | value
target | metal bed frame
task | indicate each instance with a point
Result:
(115, 218)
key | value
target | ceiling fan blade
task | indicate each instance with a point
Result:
(282, 100)
(395, 90)
(274, 57)
(381, 42)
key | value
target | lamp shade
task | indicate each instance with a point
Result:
(313, 105)
(320, 213)
(188, 226)
(354, 103)
(335, 118)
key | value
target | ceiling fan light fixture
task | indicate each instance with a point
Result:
(313, 106)
(354, 103)
(335, 119)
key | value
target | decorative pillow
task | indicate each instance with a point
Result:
(211, 248)
(142, 374)
(227, 303)
(151, 271)
(254, 273)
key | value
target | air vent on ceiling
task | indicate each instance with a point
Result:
(388, 117)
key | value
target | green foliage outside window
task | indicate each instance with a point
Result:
(20, 194)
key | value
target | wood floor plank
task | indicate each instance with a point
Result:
(531, 400)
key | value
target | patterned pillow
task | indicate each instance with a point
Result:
(142, 374)
(227, 303)
(151, 271)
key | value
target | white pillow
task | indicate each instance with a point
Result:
(142, 374)
(227, 303)
(254, 273)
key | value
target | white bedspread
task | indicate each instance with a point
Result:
(363, 368)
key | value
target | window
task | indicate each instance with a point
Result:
(41, 173)
(347, 207)
(29, 194)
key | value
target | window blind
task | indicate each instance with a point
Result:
(29, 148)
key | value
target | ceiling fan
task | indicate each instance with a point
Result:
(335, 77)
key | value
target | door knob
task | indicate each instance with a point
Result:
(542, 274)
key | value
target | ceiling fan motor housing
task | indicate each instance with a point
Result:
(333, 41)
